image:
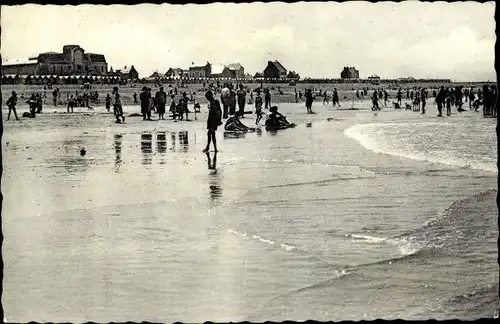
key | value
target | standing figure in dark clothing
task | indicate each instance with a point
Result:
(214, 119)
(71, 105)
(108, 102)
(440, 98)
(54, 96)
(471, 97)
(241, 99)
(309, 101)
(486, 100)
(117, 106)
(135, 98)
(267, 98)
(407, 93)
(398, 96)
(335, 97)
(386, 97)
(375, 101)
(448, 100)
(232, 101)
(161, 102)
(144, 97)
(32, 104)
(423, 99)
(458, 98)
(11, 103)
(296, 95)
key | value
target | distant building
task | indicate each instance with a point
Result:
(200, 71)
(156, 75)
(174, 73)
(349, 73)
(72, 61)
(235, 71)
(275, 70)
(128, 73)
(258, 75)
(373, 77)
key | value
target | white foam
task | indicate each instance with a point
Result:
(369, 142)
(405, 246)
(284, 246)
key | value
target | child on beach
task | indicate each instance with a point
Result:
(448, 102)
(214, 119)
(258, 107)
(173, 108)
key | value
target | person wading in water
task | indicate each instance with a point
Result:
(214, 119)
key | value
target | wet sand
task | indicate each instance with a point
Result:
(141, 229)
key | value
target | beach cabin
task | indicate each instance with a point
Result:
(275, 70)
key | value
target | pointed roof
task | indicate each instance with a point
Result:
(278, 65)
(235, 66)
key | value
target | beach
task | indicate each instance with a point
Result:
(351, 215)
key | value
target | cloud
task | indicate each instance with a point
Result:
(315, 39)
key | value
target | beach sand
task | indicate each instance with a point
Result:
(351, 215)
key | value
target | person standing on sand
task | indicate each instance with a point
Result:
(398, 97)
(144, 97)
(135, 98)
(241, 99)
(108, 102)
(267, 98)
(258, 107)
(11, 103)
(184, 105)
(232, 101)
(117, 106)
(335, 97)
(173, 108)
(161, 102)
(440, 97)
(375, 100)
(309, 101)
(423, 98)
(214, 120)
(71, 104)
(386, 97)
(224, 97)
(54, 97)
(448, 102)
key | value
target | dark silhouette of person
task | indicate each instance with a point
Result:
(241, 99)
(440, 98)
(11, 103)
(423, 98)
(108, 102)
(267, 98)
(214, 119)
(309, 100)
(144, 97)
(161, 102)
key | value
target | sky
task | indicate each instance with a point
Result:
(392, 40)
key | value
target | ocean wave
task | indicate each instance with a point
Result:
(405, 245)
(367, 136)
(261, 239)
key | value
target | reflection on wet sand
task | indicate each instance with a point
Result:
(118, 151)
(228, 135)
(214, 179)
(147, 148)
(161, 146)
(183, 140)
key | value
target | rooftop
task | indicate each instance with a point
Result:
(18, 61)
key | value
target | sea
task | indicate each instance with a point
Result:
(351, 215)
